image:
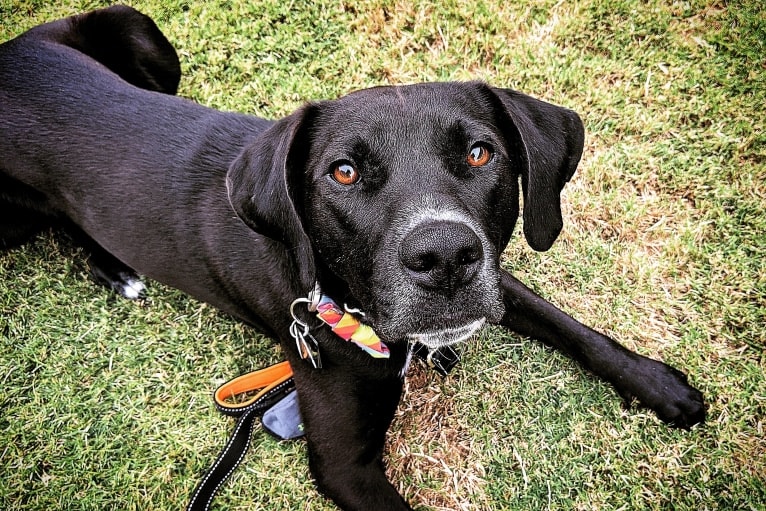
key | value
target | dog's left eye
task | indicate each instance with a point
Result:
(479, 155)
(345, 173)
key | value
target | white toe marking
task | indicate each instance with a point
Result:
(133, 288)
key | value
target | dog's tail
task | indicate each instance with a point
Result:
(124, 40)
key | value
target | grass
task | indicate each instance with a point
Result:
(106, 403)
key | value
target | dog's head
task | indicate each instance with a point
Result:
(399, 200)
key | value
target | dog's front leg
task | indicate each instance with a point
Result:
(656, 385)
(346, 417)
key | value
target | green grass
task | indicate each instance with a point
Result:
(105, 403)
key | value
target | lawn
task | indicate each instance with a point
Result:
(105, 403)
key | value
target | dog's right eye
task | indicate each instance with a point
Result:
(479, 155)
(345, 173)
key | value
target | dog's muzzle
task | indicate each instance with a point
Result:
(440, 284)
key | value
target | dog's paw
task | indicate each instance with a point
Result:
(129, 287)
(124, 283)
(666, 391)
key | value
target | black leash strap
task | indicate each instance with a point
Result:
(227, 461)
(273, 384)
(239, 442)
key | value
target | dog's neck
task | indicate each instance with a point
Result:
(342, 322)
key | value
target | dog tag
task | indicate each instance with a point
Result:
(441, 360)
(307, 345)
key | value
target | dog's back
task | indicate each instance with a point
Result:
(90, 135)
(119, 37)
(122, 39)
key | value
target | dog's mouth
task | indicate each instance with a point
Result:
(438, 338)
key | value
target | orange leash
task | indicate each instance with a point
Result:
(229, 397)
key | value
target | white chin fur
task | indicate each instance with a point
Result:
(439, 338)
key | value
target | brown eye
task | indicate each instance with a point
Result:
(479, 155)
(345, 174)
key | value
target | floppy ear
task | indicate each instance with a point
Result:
(263, 181)
(549, 140)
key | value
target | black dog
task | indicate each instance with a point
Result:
(395, 200)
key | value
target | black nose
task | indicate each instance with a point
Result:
(442, 256)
